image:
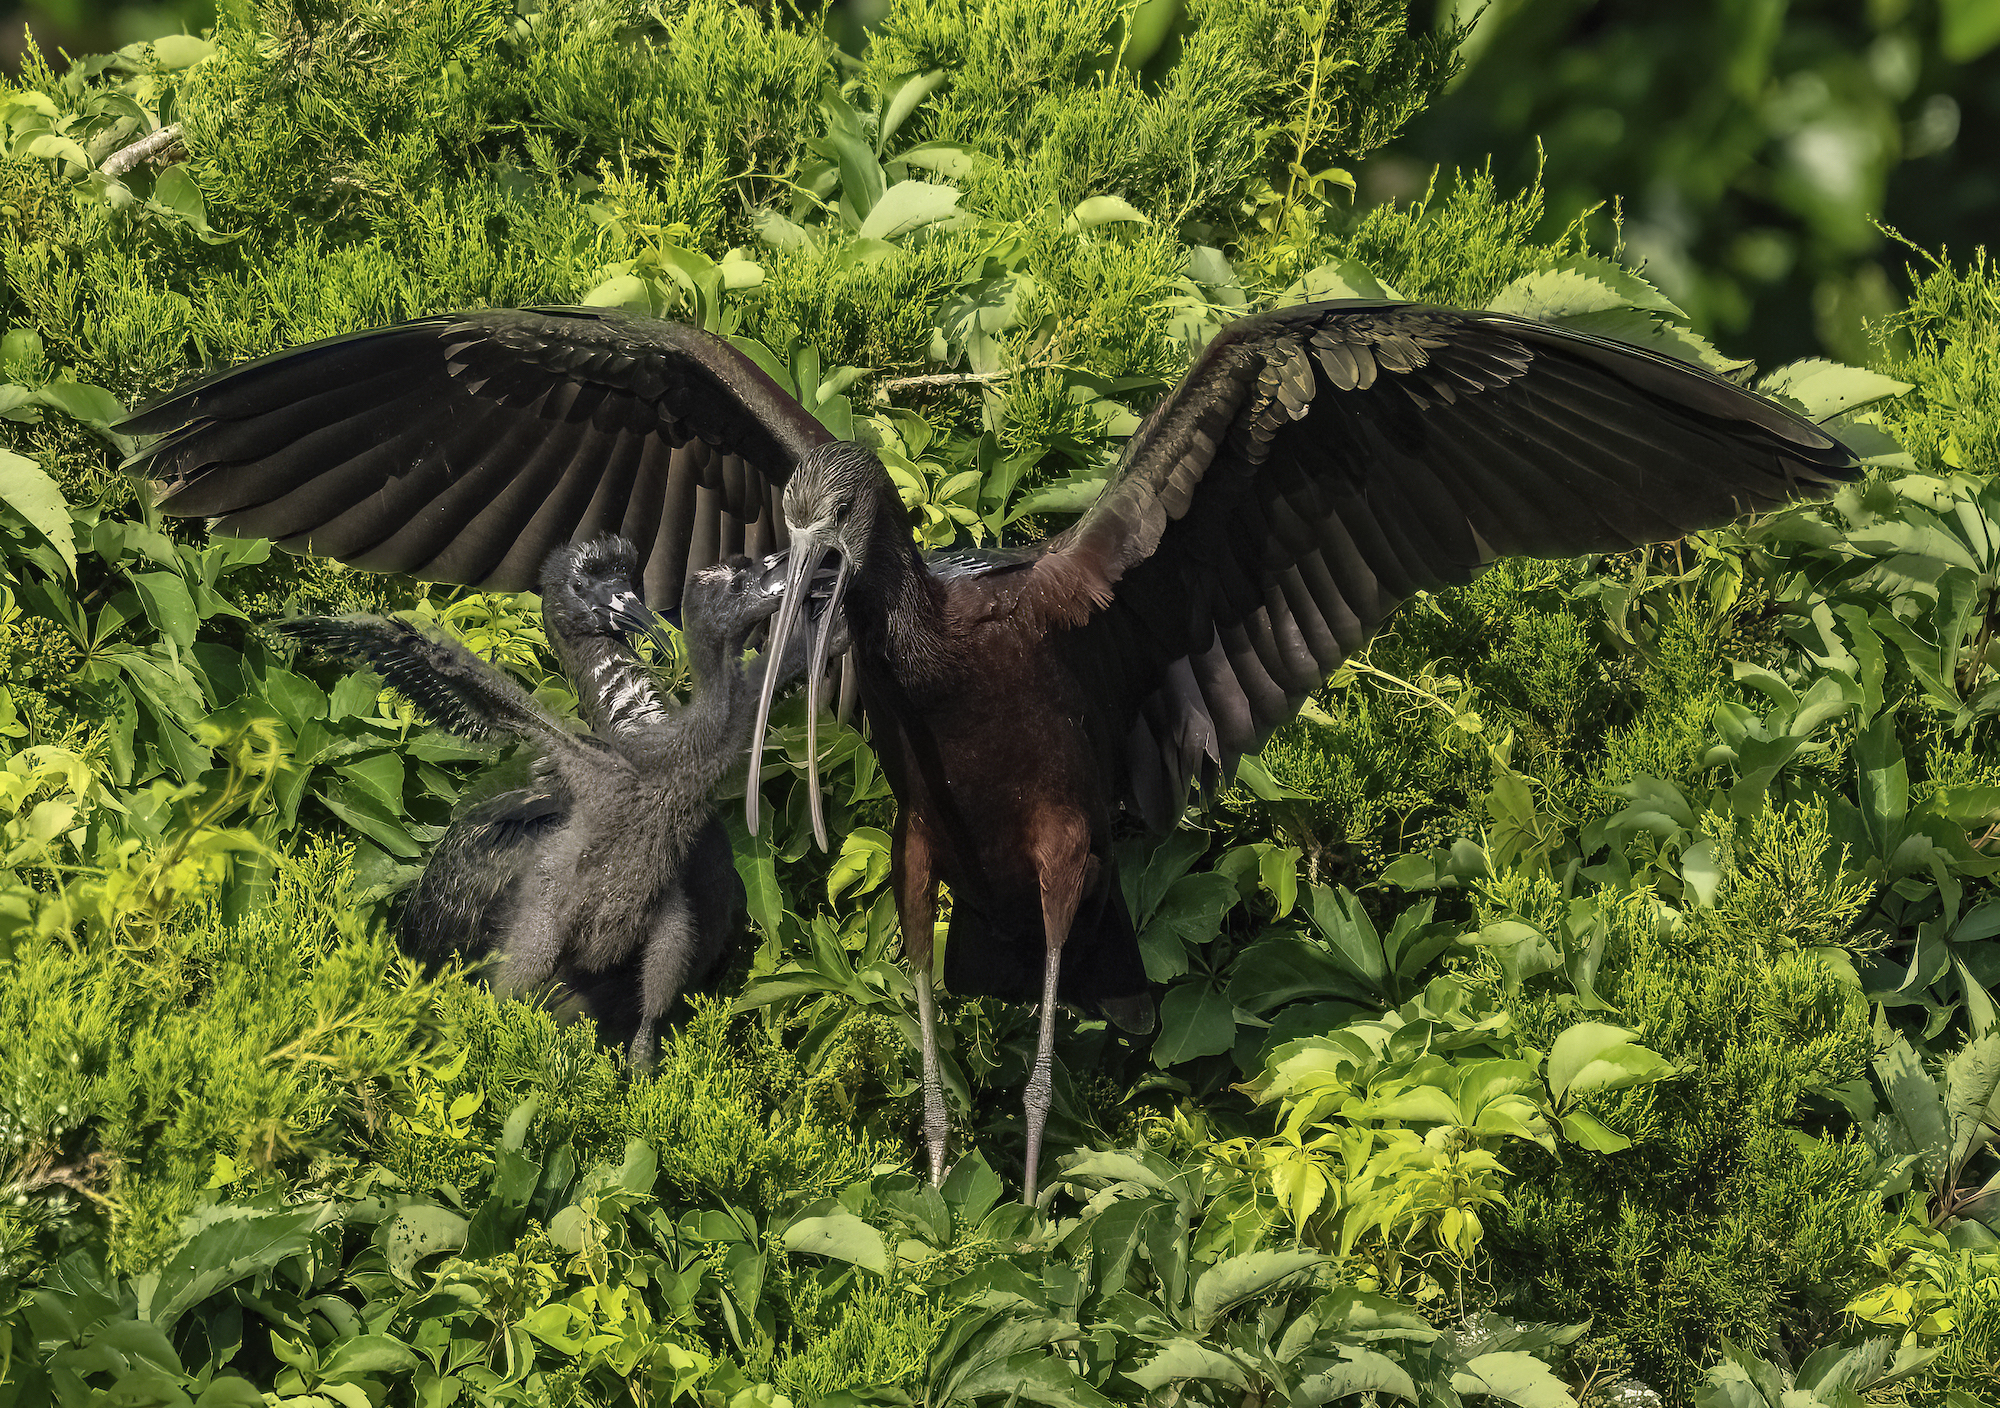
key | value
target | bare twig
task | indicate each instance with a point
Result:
(908, 383)
(153, 147)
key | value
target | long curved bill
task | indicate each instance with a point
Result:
(807, 552)
(815, 675)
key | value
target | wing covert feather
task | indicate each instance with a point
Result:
(463, 447)
(1322, 463)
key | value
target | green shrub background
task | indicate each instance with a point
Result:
(205, 1032)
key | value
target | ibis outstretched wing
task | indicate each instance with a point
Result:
(1322, 463)
(464, 447)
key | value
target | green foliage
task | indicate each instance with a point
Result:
(1543, 946)
(223, 1054)
(1746, 149)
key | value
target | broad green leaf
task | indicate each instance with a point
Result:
(1195, 1020)
(1701, 873)
(1557, 294)
(168, 605)
(175, 192)
(1188, 1359)
(909, 96)
(1590, 1057)
(222, 1254)
(1106, 210)
(418, 1231)
(842, 1236)
(863, 861)
(907, 206)
(1278, 971)
(1350, 278)
(1359, 1371)
(92, 405)
(1972, 1096)
(1590, 1133)
(1229, 1283)
(176, 51)
(971, 1188)
(1515, 1377)
(1072, 495)
(369, 1354)
(1618, 1068)
(33, 495)
(1823, 389)
(1913, 1099)
(230, 1391)
(1643, 329)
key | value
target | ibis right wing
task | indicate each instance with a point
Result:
(465, 447)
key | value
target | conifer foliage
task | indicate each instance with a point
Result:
(1589, 996)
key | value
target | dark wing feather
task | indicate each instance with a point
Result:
(450, 686)
(465, 446)
(460, 905)
(1322, 463)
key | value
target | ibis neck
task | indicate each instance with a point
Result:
(895, 607)
(614, 692)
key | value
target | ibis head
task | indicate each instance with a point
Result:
(834, 515)
(591, 589)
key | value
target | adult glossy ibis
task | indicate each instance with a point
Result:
(610, 859)
(1316, 467)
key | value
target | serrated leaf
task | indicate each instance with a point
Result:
(1558, 294)
(1350, 278)
(1822, 389)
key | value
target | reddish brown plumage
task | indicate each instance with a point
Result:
(1319, 465)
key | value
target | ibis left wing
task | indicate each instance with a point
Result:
(450, 686)
(1322, 463)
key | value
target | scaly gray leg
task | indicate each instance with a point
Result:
(1067, 869)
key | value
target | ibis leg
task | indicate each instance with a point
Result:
(665, 966)
(916, 910)
(1063, 885)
